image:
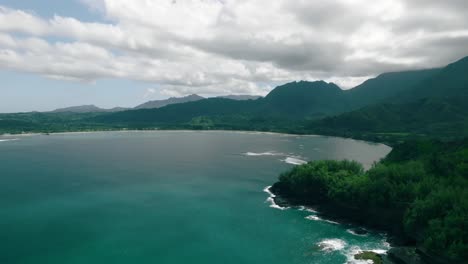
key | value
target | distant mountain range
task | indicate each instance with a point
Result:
(150, 104)
(436, 105)
(398, 104)
(87, 109)
(172, 100)
(293, 101)
(423, 101)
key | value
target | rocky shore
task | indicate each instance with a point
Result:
(402, 251)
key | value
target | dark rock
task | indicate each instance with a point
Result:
(405, 255)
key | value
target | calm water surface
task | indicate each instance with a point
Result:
(166, 197)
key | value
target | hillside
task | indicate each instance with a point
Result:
(240, 97)
(425, 117)
(172, 100)
(87, 109)
(386, 86)
(435, 107)
(297, 100)
(450, 81)
(305, 100)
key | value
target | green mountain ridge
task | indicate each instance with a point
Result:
(386, 86)
(434, 107)
(289, 101)
(450, 81)
(423, 102)
(301, 100)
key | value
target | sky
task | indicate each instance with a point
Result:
(58, 53)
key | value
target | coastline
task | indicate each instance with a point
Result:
(401, 251)
(378, 254)
(190, 130)
(164, 130)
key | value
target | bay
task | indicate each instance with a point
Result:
(167, 197)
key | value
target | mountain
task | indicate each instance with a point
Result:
(87, 109)
(425, 102)
(172, 100)
(448, 82)
(180, 113)
(240, 97)
(435, 106)
(291, 101)
(386, 86)
(305, 100)
(424, 116)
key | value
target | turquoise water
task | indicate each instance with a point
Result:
(166, 197)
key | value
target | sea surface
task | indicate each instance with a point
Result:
(167, 197)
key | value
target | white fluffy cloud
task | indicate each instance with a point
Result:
(235, 46)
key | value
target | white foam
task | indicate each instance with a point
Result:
(8, 139)
(307, 209)
(379, 251)
(267, 153)
(271, 199)
(313, 217)
(351, 231)
(316, 218)
(294, 161)
(351, 252)
(329, 245)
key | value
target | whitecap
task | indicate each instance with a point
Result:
(307, 209)
(267, 153)
(313, 217)
(329, 245)
(271, 199)
(294, 161)
(316, 218)
(351, 231)
(8, 139)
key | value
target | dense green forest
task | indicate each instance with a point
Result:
(418, 192)
(429, 117)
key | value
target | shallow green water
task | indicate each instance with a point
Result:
(165, 197)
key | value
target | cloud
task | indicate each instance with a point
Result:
(217, 47)
(149, 93)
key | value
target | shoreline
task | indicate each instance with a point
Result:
(278, 202)
(188, 130)
(399, 252)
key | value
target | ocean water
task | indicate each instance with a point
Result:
(167, 197)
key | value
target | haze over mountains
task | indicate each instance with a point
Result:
(87, 109)
(172, 100)
(150, 104)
